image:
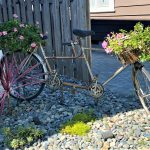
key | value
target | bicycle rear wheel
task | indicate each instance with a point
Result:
(28, 77)
(141, 80)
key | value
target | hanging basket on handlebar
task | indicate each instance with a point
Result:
(128, 57)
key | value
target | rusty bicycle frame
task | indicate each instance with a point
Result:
(82, 55)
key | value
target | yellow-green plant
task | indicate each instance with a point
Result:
(20, 136)
(78, 124)
(78, 128)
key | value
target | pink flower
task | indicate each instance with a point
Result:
(104, 44)
(120, 36)
(108, 50)
(15, 16)
(21, 25)
(15, 30)
(1, 33)
(119, 43)
(33, 45)
(41, 35)
(21, 37)
(4, 32)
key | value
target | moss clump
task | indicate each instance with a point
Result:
(78, 124)
(21, 136)
(79, 128)
(84, 117)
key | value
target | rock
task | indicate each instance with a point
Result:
(112, 144)
(36, 120)
(1, 138)
(147, 135)
(106, 146)
(63, 137)
(137, 132)
(107, 134)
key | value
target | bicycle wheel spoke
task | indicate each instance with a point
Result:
(28, 75)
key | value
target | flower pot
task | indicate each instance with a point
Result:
(128, 57)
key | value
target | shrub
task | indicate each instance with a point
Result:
(15, 35)
(21, 136)
(78, 128)
(78, 124)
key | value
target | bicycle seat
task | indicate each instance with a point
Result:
(83, 33)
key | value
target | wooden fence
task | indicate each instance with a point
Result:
(58, 18)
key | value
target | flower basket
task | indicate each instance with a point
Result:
(128, 57)
(129, 46)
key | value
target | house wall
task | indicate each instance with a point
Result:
(126, 10)
(127, 13)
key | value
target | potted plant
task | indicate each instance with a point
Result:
(129, 46)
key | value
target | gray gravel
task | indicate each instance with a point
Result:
(121, 122)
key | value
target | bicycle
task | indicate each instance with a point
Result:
(33, 72)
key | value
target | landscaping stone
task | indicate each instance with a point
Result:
(107, 134)
(119, 128)
(1, 138)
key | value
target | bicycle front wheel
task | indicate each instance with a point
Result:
(28, 75)
(141, 80)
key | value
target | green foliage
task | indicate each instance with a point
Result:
(78, 124)
(137, 40)
(78, 128)
(17, 36)
(21, 136)
(84, 117)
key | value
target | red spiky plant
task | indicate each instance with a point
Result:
(10, 75)
(7, 71)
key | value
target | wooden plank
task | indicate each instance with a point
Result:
(79, 14)
(121, 3)
(29, 12)
(18, 11)
(22, 10)
(37, 12)
(14, 6)
(10, 9)
(1, 19)
(75, 17)
(47, 28)
(57, 33)
(66, 36)
(4, 9)
(87, 25)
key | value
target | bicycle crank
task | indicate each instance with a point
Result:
(54, 82)
(96, 90)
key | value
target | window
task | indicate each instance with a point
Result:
(101, 5)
